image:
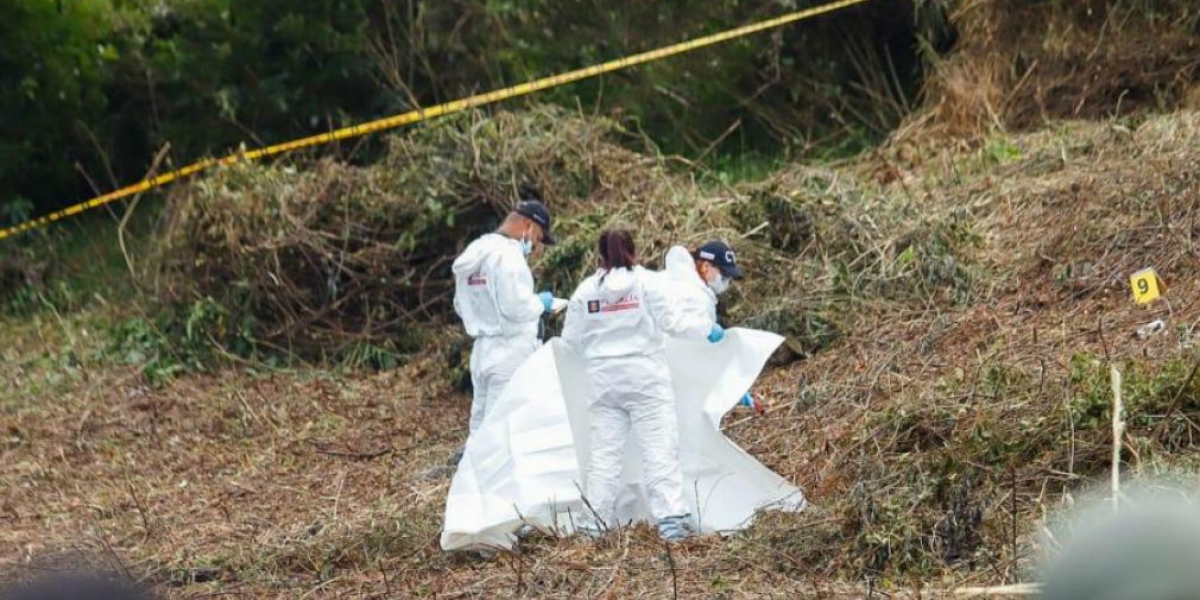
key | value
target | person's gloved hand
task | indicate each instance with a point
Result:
(717, 334)
(547, 300)
(749, 402)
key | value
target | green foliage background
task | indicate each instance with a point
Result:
(93, 89)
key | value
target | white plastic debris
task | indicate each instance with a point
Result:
(1150, 329)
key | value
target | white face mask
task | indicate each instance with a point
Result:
(719, 284)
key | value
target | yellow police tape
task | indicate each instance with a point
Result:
(431, 112)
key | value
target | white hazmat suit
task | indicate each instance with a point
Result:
(495, 298)
(616, 321)
(695, 299)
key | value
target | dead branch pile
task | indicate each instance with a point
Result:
(1022, 63)
(333, 258)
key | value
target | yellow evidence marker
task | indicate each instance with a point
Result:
(1147, 287)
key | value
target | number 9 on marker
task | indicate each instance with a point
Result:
(1145, 284)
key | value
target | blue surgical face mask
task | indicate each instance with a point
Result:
(526, 245)
(719, 284)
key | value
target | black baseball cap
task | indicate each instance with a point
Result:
(531, 208)
(722, 257)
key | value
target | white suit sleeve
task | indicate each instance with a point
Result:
(665, 309)
(515, 297)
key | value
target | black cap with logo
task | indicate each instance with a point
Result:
(722, 257)
(531, 208)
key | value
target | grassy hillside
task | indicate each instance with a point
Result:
(956, 323)
(256, 390)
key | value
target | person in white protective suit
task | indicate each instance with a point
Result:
(700, 276)
(494, 296)
(617, 321)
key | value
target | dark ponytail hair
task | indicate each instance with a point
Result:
(617, 250)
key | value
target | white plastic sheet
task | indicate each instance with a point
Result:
(526, 463)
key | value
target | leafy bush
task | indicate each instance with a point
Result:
(184, 338)
(54, 63)
(107, 84)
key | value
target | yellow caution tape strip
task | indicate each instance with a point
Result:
(431, 112)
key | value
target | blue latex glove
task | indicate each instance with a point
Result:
(717, 334)
(547, 300)
(749, 402)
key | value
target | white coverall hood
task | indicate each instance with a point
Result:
(474, 254)
(696, 299)
(617, 283)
